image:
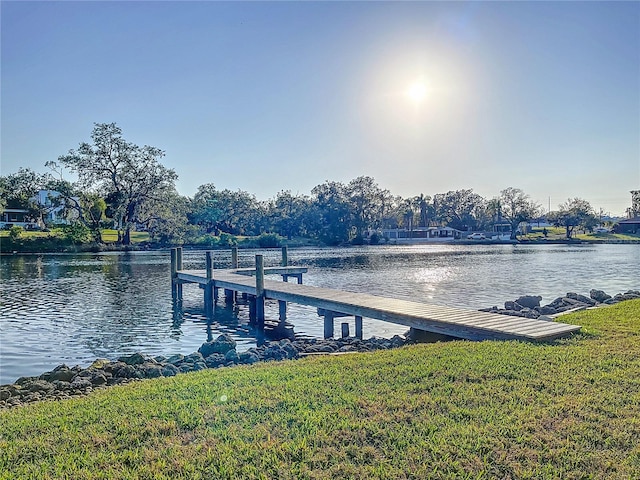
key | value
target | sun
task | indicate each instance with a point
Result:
(417, 92)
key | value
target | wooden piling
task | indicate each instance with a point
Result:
(282, 308)
(285, 259)
(252, 309)
(359, 327)
(178, 268)
(328, 324)
(260, 291)
(208, 288)
(345, 330)
(234, 257)
(174, 270)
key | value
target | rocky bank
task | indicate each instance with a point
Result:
(68, 382)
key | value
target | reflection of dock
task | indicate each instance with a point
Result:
(467, 324)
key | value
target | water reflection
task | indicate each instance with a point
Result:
(73, 308)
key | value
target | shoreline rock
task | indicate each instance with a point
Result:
(69, 382)
(529, 306)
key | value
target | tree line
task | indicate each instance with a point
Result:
(124, 186)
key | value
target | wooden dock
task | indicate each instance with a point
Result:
(331, 304)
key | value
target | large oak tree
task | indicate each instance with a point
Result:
(130, 177)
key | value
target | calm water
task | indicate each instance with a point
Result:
(75, 308)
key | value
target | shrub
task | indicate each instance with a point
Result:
(227, 240)
(269, 240)
(15, 232)
(357, 240)
(77, 233)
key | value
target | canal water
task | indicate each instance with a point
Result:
(75, 308)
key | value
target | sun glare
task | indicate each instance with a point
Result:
(417, 92)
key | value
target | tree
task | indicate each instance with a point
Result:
(165, 216)
(425, 209)
(127, 175)
(85, 207)
(514, 206)
(331, 212)
(289, 213)
(234, 212)
(366, 203)
(573, 213)
(458, 209)
(20, 190)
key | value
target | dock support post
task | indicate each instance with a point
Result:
(359, 327)
(178, 268)
(260, 291)
(174, 269)
(252, 310)
(282, 307)
(345, 330)
(234, 257)
(208, 288)
(285, 259)
(328, 324)
(229, 295)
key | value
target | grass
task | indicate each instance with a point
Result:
(567, 409)
(111, 236)
(108, 236)
(558, 233)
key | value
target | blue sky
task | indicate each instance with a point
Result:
(270, 96)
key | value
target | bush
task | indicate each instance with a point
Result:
(77, 233)
(227, 240)
(374, 239)
(357, 240)
(269, 240)
(15, 232)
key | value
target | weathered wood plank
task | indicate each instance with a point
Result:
(435, 318)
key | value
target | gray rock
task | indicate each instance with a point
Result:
(62, 373)
(215, 360)
(599, 295)
(38, 386)
(151, 370)
(80, 383)
(509, 305)
(581, 298)
(529, 301)
(170, 370)
(546, 310)
(97, 379)
(193, 358)
(175, 359)
(222, 344)
(199, 366)
(248, 357)
(231, 356)
(134, 359)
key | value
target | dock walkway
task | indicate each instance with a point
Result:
(330, 303)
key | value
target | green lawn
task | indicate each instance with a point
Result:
(109, 236)
(568, 409)
(557, 233)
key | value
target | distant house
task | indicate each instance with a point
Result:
(421, 234)
(54, 212)
(20, 217)
(630, 225)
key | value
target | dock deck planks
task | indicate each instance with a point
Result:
(468, 324)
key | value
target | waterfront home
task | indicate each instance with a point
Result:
(630, 225)
(421, 234)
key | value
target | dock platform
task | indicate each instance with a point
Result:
(331, 304)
